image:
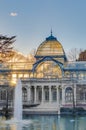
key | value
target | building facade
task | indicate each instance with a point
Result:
(82, 56)
(49, 81)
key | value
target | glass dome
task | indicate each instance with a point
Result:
(79, 65)
(50, 47)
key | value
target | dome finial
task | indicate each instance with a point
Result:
(51, 37)
(51, 32)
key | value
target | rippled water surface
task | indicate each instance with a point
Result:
(46, 123)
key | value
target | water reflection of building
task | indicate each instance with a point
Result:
(48, 78)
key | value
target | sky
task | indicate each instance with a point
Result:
(31, 22)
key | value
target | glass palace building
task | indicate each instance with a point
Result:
(49, 81)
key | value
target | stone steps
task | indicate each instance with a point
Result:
(44, 107)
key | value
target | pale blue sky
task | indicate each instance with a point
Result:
(31, 21)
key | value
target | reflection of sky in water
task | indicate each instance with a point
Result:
(48, 123)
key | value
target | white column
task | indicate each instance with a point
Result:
(34, 94)
(75, 94)
(37, 99)
(29, 94)
(50, 95)
(42, 94)
(63, 95)
(58, 100)
(57, 95)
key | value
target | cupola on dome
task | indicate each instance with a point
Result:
(50, 47)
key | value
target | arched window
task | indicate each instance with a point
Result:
(48, 69)
(39, 94)
(54, 95)
(69, 94)
(46, 94)
(85, 95)
(10, 94)
(24, 94)
(3, 95)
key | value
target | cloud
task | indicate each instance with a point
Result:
(13, 14)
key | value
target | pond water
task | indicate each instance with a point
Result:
(47, 123)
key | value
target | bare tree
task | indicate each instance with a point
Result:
(33, 52)
(73, 54)
(6, 48)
